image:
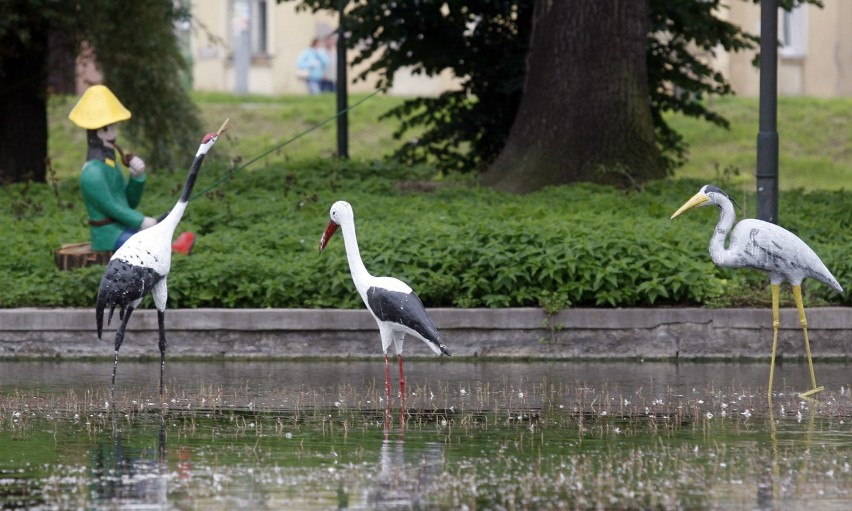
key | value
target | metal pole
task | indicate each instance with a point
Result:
(242, 46)
(341, 87)
(767, 137)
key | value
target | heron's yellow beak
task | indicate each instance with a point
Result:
(697, 200)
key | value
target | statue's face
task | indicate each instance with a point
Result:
(107, 135)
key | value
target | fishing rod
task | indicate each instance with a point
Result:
(279, 146)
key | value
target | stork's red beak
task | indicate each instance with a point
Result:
(330, 229)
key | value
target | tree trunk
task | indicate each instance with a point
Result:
(585, 114)
(62, 64)
(23, 107)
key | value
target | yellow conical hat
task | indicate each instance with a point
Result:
(98, 107)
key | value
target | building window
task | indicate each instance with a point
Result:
(258, 28)
(251, 16)
(793, 32)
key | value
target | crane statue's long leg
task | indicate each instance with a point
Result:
(161, 320)
(797, 294)
(119, 339)
(160, 294)
(776, 321)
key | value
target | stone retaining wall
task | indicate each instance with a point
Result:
(658, 333)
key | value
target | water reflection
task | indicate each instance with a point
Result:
(774, 490)
(130, 476)
(403, 480)
(300, 435)
(389, 491)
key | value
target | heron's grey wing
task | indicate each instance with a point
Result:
(773, 249)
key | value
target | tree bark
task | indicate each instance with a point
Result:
(23, 107)
(585, 114)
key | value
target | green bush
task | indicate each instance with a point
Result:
(458, 246)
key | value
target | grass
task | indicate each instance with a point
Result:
(815, 143)
(815, 136)
(259, 124)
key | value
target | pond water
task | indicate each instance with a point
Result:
(490, 435)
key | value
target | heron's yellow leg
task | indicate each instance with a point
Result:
(776, 294)
(797, 294)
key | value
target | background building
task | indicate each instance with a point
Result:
(275, 34)
(815, 58)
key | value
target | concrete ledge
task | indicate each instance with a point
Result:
(658, 333)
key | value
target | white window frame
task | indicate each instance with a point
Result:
(258, 24)
(793, 32)
(260, 28)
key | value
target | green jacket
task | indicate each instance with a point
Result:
(108, 195)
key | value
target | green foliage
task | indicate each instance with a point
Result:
(484, 44)
(679, 78)
(459, 246)
(137, 52)
(145, 72)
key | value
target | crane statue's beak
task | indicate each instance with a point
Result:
(697, 200)
(330, 229)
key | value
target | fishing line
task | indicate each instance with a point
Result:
(279, 146)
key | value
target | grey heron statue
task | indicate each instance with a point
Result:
(769, 248)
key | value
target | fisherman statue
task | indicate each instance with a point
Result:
(110, 197)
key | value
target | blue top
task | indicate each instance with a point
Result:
(314, 61)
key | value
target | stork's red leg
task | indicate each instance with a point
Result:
(401, 381)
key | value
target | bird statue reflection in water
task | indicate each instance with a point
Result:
(141, 265)
(767, 247)
(394, 306)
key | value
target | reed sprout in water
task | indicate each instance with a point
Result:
(534, 405)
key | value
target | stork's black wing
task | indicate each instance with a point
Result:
(404, 309)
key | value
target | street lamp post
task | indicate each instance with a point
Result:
(767, 137)
(342, 84)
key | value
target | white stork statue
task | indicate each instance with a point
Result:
(394, 306)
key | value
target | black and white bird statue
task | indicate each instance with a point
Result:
(142, 265)
(395, 307)
(767, 247)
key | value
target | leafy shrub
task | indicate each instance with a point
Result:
(459, 246)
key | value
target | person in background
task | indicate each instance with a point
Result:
(311, 66)
(111, 198)
(329, 79)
